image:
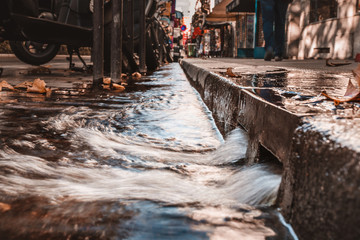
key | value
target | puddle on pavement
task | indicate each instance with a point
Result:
(295, 90)
(147, 163)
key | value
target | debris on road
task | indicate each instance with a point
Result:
(338, 64)
(107, 81)
(4, 207)
(230, 73)
(109, 85)
(24, 85)
(5, 84)
(39, 70)
(38, 86)
(352, 93)
(118, 87)
(136, 76)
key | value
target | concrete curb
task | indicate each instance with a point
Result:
(232, 105)
(311, 196)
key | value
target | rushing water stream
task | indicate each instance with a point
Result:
(148, 163)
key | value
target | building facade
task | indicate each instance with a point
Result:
(323, 29)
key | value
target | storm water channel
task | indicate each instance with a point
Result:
(147, 163)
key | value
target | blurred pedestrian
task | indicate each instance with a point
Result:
(273, 16)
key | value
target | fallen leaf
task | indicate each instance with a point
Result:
(33, 213)
(118, 87)
(332, 64)
(106, 87)
(136, 76)
(48, 92)
(39, 86)
(356, 73)
(4, 207)
(230, 73)
(107, 81)
(5, 84)
(124, 76)
(123, 79)
(24, 85)
(352, 94)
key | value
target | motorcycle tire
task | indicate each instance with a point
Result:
(39, 55)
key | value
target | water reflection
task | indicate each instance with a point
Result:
(295, 90)
(144, 164)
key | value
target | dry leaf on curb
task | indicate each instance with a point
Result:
(356, 73)
(5, 84)
(39, 86)
(136, 76)
(24, 85)
(230, 73)
(331, 64)
(352, 93)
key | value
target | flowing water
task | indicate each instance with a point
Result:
(148, 163)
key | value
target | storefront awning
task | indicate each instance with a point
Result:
(219, 14)
(241, 6)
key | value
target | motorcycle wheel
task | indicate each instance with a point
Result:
(34, 53)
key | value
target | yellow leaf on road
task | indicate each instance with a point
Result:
(4, 207)
(24, 85)
(39, 86)
(118, 87)
(5, 84)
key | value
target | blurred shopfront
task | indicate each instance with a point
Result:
(249, 35)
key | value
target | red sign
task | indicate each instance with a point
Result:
(197, 32)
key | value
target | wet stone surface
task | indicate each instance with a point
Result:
(294, 90)
(293, 85)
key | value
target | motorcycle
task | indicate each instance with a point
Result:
(36, 29)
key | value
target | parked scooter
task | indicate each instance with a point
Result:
(37, 28)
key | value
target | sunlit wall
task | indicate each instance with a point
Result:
(323, 29)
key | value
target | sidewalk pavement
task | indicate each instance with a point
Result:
(308, 64)
(294, 85)
(56, 73)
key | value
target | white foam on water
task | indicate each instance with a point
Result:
(199, 179)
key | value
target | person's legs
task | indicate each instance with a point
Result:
(280, 15)
(267, 11)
